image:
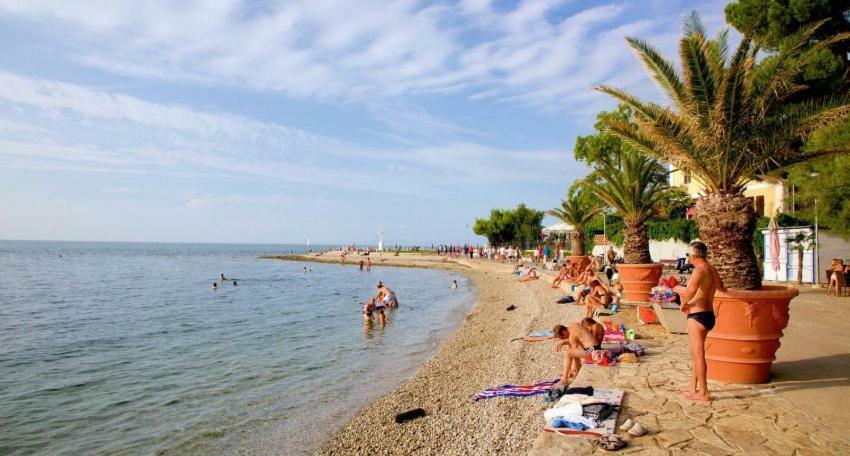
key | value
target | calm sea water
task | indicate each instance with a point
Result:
(124, 348)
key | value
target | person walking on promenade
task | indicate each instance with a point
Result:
(696, 301)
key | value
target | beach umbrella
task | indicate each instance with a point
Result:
(773, 235)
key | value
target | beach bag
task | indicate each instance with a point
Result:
(566, 300)
(598, 412)
(646, 316)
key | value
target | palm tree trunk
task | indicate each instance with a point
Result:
(577, 242)
(726, 225)
(800, 266)
(636, 242)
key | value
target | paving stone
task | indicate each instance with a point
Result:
(700, 447)
(707, 435)
(698, 416)
(669, 438)
(780, 448)
(746, 440)
(677, 423)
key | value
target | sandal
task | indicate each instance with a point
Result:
(627, 425)
(611, 442)
(637, 430)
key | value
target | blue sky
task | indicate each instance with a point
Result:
(234, 121)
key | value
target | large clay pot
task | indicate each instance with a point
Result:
(743, 344)
(638, 280)
(582, 260)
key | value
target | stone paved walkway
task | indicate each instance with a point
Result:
(742, 419)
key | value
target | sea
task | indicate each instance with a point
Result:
(125, 348)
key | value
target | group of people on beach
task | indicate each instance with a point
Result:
(577, 340)
(385, 298)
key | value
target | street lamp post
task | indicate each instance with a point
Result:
(817, 241)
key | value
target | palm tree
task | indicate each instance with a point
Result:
(577, 210)
(728, 122)
(800, 243)
(633, 185)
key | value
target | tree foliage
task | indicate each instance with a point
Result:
(520, 226)
(601, 145)
(830, 186)
(578, 209)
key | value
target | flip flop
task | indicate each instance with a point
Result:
(627, 425)
(637, 430)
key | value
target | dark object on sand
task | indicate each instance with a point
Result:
(409, 415)
(566, 300)
(511, 307)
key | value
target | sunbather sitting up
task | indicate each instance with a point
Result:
(599, 297)
(562, 274)
(518, 265)
(530, 274)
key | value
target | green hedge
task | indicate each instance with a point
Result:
(680, 229)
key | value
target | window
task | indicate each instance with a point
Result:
(759, 205)
(687, 177)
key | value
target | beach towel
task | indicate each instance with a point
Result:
(607, 426)
(544, 333)
(614, 337)
(516, 390)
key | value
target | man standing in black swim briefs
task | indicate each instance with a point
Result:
(696, 301)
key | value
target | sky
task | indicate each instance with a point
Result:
(283, 121)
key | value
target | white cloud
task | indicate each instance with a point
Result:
(130, 135)
(362, 49)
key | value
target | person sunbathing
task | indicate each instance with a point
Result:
(562, 275)
(599, 297)
(577, 342)
(518, 265)
(530, 274)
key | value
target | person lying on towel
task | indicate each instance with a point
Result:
(530, 274)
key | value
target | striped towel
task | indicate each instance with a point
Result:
(614, 337)
(516, 390)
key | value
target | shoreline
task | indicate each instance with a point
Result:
(478, 354)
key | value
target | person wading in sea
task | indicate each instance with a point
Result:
(697, 300)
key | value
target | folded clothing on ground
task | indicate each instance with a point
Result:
(601, 358)
(578, 423)
(553, 394)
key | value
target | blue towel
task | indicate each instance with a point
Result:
(560, 422)
(545, 333)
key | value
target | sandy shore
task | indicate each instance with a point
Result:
(478, 355)
(790, 415)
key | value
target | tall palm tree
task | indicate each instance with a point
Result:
(633, 185)
(577, 210)
(728, 122)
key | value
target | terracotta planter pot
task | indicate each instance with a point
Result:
(638, 280)
(742, 346)
(582, 260)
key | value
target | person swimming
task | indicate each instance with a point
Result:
(215, 286)
(454, 284)
(222, 277)
(235, 284)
